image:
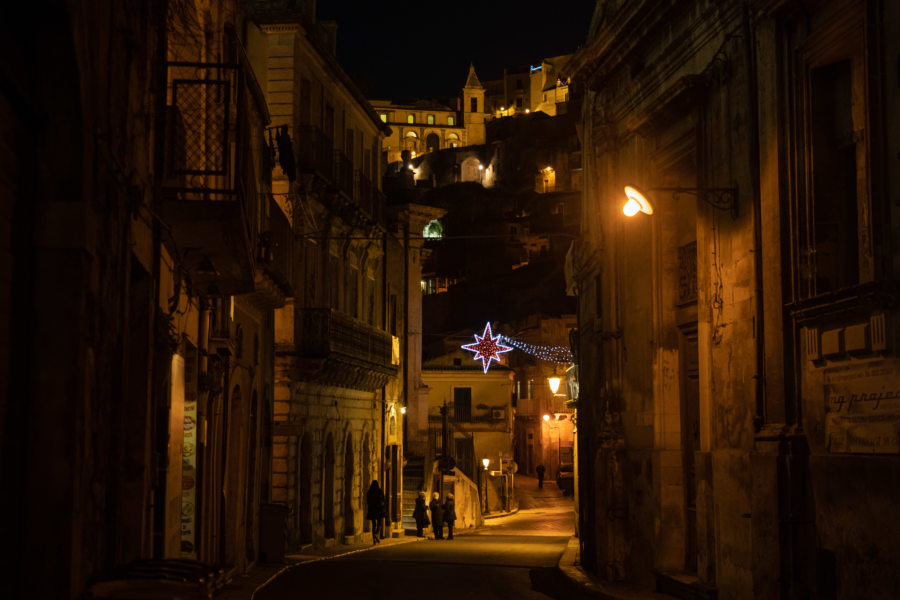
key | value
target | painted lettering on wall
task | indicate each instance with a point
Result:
(862, 407)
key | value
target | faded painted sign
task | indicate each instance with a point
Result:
(862, 407)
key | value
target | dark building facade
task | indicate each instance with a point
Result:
(198, 323)
(738, 346)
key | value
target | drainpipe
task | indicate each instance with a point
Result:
(753, 151)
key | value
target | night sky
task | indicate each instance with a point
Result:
(399, 49)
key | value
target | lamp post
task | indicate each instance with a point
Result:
(484, 474)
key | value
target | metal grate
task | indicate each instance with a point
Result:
(203, 109)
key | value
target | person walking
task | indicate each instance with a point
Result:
(375, 510)
(449, 515)
(437, 516)
(540, 473)
(420, 514)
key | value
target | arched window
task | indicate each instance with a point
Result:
(451, 121)
(430, 119)
(410, 119)
(452, 136)
(411, 134)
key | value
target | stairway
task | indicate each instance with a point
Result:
(413, 482)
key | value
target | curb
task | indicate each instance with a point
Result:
(498, 515)
(585, 585)
(294, 565)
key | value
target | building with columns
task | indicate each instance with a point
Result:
(738, 350)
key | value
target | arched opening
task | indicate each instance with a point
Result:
(366, 452)
(304, 499)
(250, 502)
(432, 142)
(348, 486)
(328, 488)
(231, 490)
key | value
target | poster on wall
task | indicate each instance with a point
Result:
(189, 466)
(862, 407)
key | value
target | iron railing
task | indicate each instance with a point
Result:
(314, 152)
(327, 333)
(276, 246)
(343, 173)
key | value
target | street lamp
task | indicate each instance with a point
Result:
(485, 462)
(547, 418)
(554, 384)
(720, 198)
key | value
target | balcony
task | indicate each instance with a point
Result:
(315, 152)
(274, 260)
(211, 184)
(336, 349)
(343, 174)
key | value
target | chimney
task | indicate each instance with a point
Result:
(329, 35)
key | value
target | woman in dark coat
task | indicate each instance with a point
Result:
(375, 510)
(449, 515)
(420, 514)
(437, 516)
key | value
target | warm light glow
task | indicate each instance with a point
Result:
(411, 168)
(485, 462)
(527, 111)
(637, 202)
(554, 384)
(502, 108)
(481, 167)
(402, 410)
(546, 417)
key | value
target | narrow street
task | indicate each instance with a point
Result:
(507, 558)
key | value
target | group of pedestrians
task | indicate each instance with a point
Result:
(440, 513)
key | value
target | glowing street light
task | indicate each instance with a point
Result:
(547, 418)
(554, 384)
(636, 203)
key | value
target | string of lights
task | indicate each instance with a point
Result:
(555, 354)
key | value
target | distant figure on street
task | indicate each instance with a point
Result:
(375, 510)
(420, 514)
(449, 515)
(540, 473)
(437, 516)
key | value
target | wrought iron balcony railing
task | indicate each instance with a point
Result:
(337, 349)
(343, 173)
(314, 152)
(212, 159)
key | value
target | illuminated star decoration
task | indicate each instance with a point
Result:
(487, 347)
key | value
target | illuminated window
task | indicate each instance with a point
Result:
(452, 136)
(433, 230)
(430, 119)
(410, 119)
(383, 117)
(450, 121)
(411, 134)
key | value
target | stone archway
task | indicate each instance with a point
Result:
(432, 142)
(349, 465)
(304, 500)
(366, 478)
(328, 487)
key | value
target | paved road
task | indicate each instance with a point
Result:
(505, 559)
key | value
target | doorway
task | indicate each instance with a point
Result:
(328, 488)
(348, 487)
